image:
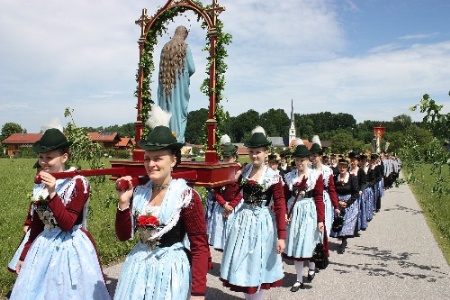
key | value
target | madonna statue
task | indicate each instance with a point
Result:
(175, 69)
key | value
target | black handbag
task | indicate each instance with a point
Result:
(319, 256)
(338, 223)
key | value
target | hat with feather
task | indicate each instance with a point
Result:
(52, 139)
(316, 146)
(227, 149)
(301, 150)
(258, 139)
(161, 137)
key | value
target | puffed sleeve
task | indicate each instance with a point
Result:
(124, 223)
(232, 194)
(279, 208)
(29, 217)
(69, 215)
(354, 189)
(193, 218)
(332, 192)
(318, 199)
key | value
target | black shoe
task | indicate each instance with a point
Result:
(311, 276)
(297, 286)
(316, 270)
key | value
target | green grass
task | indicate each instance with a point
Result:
(16, 181)
(436, 210)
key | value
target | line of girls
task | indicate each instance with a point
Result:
(267, 217)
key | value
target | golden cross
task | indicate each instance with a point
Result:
(215, 10)
(143, 20)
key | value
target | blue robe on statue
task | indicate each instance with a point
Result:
(178, 101)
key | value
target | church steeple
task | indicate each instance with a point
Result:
(292, 132)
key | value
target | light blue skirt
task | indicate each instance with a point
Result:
(328, 212)
(15, 259)
(302, 232)
(249, 256)
(216, 225)
(159, 274)
(61, 265)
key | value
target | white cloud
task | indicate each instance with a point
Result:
(84, 55)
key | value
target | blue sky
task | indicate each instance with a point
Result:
(370, 58)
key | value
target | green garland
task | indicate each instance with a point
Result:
(158, 29)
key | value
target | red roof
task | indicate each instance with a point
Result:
(103, 136)
(22, 138)
(125, 141)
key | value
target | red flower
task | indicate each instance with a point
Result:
(144, 221)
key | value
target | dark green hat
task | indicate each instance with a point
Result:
(51, 140)
(315, 148)
(301, 151)
(228, 149)
(161, 137)
(258, 139)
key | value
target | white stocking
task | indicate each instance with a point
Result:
(312, 266)
(299, 269)
(256, 296)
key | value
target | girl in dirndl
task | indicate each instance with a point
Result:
(347, 190)
(223, 200)
(306, 214)
(163, 211)
(59, 260)
(329, 193)
(251, 259)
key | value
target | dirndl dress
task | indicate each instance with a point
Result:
(249, 257)
(350, 218)
(162, 273)
(302, 233)
(61, 264)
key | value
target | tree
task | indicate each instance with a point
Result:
(343, 141)
(195, 128)
(276, 121)
(244, 123)
(10, 128)
(438, 123)
(402, 122)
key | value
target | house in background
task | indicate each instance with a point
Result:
(125, 143)
(107, 139)
(16, 142)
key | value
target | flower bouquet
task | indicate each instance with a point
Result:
(147, 226)
(253, 191)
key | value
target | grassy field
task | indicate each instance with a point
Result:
(436, 211)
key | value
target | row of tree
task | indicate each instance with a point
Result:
(340, 129)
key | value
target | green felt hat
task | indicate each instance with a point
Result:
(51, 140)
(316, 145)
(258, 139)
(315, 148)
(301, 151)
(161, 137)
(228, 149)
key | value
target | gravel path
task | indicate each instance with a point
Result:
(395, 258)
